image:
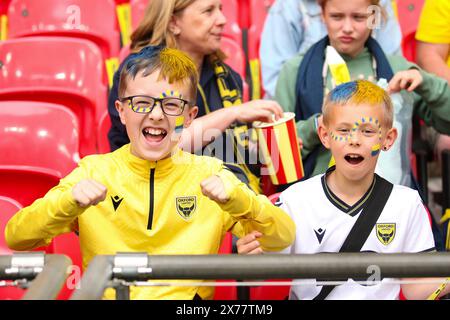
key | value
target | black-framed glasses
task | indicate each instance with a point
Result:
(171, 106)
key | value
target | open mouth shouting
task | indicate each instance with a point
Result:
(154, 135)
(354, 158)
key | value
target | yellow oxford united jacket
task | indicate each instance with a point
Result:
(153, 207)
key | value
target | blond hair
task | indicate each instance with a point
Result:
(356, 93)
(154, 27)
(173, 65)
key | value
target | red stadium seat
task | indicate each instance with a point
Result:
(60, 70)
(4, 4)
(232, 28)
(26, 183)
(409, 46)
(3, 19)
(124, 52)
(257, 17)
(102, 134)
(272, 292)
(8, 207)
(226, 292)
(69, 245)
(92, 20)
(137, 11)
(49, 135)
(235, 55)
(408, 17)
(38, 134)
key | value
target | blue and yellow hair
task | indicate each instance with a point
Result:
(173, 65)
(356, 93)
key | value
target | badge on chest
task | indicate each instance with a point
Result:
(186, 206)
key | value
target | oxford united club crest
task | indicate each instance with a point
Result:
(186, 206)
(385, 232)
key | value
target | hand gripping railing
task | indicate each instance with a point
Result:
(47, 273)
(136, 266)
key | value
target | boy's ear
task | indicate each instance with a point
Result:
(324, 136)
(192, 113)
(391, 136)
(120, 110)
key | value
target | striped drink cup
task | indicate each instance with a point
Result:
(278, 144)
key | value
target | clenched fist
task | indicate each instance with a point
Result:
(89, 193)
(250, 244)
(213, 188)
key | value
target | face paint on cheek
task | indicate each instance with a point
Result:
(179, 124)
(338, 138)
(376, 150)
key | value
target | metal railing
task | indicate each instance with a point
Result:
(44, 275)
(135, 266)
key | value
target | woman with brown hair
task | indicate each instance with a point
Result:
(195, 27)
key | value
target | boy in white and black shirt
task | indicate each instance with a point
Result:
(357, 125)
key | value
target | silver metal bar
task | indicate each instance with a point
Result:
(21, 265)
(96, 279)
(278, 266)
(323, 266)
(50, 280)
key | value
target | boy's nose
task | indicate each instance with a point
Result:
(156, 113)
(354, 137)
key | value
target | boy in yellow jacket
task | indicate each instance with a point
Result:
(150, 196)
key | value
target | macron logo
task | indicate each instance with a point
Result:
(116, 201)
(319, 234)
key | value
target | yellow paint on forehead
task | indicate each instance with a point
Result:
(171, 93)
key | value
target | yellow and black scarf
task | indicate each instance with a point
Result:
(231, 95)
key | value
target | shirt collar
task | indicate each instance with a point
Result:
(142, 167)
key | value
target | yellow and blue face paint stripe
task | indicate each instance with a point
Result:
(171, 93)
(179, 124)
(376, 150)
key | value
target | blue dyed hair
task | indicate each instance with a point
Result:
(173, 65)
(356, 93)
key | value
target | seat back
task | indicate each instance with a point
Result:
(409, 14)
(257, 17)
(235, 56)
(226, 292)
(271, 292)
(60, 70)
(8, 207)
(38, 134)
(408, 17)
(137, 11)
(26, 183)
(92, 20)
(3, 19)
(232, 29)
(102, 134)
